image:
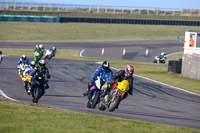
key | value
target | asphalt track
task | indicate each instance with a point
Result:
(151, 101)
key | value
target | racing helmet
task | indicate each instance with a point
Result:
(129, 70)
(40, 46)
(54, 48)
(105, 66)
(163, 53)
(37, 46)
(32, 64)
(24, 57)
(42, 63)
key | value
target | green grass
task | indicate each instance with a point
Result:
(27, 31)
(19, 118)
(101, 15)
(150, 70)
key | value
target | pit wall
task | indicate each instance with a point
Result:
(191, 63)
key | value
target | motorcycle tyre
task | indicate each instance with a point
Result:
(111, 107)
(36, 95)
(95, 101)
(102, 107)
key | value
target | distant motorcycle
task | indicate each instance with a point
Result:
(1, 58)
(39, 84)
(49, 54)
(37, 56)
(114, 97)
(158, 59)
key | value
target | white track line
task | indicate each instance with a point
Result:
(3, 94)
(81, 53)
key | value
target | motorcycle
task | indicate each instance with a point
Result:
(94, 94)
(1, 58)
(160, 60)
(39, 84)
(25, 75)
(49, 54)
(114, 97)
(37, 56)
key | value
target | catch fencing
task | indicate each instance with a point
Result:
(33, 7)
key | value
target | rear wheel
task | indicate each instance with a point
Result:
(102, 107)
(114, 103)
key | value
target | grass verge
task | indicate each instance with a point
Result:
(20, 118)
(27, 31)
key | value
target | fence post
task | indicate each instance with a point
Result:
(165, 12)
(173, 12)
(147, 11)
(14, 6)
(139, 11)
(114, 10)
(89, 9)
(7, 6)
(98, 9)
(58, 8)
(122, 10)
(131, 12)
(106, 11)
(29, 7)
(199, 13)
(43, 8)
(190, 12)
(51, 8)
(66, 8)
(36, 8)
(22, 8)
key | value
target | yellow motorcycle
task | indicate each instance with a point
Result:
(113, 98)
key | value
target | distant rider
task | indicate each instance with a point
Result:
(126, 74)
(23, 60)
(105, 74)
(1, 56)
(43, 69)
(53, 51)
(39, 49)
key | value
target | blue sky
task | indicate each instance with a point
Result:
(183, 4)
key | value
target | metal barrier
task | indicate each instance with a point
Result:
(129, 21)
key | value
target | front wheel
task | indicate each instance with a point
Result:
(114, 103)
(95, 100)
(35, 95)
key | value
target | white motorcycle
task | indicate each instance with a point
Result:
(160, 60)
(1, 58)
(49, 54)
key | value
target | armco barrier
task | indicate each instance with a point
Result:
(25, 18)
(129, 21)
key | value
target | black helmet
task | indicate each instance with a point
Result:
(106, 66)
(42, 63)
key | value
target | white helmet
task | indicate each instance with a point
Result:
(163, 53)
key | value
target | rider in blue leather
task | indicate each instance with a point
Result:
(104, 73)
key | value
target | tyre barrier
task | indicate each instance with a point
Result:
(25, 18)
(175, 66)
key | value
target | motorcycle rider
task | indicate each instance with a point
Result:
(54, 51)
(105, 74)
(22, 60)
(121, 75)
(43, 69)
(1, 56)
(39, 48)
